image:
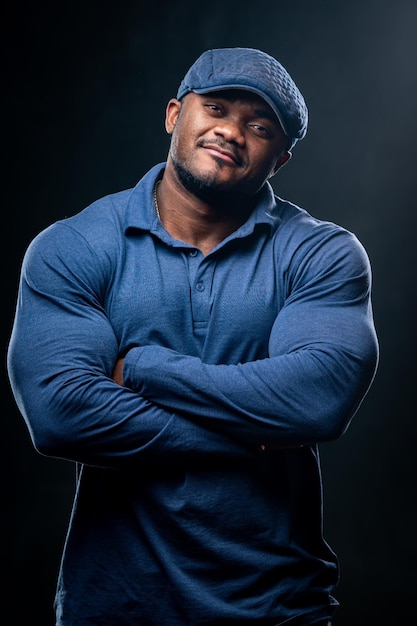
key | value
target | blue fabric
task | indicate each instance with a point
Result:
(252, 70)
(199, 488)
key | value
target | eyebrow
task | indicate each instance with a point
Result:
(266, 113)
(269, 115)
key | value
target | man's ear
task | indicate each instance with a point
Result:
(281, 161)
(171, 114)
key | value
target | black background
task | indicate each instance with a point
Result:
(84, 92)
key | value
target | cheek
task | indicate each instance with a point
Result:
(182, 134)
(177, 143)
(184, 138)
(264, 164)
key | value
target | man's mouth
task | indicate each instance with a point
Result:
(219, 151)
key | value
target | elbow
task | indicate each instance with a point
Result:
(48, 439)
(323, 424)
(329, 418)
(330, 426)
(46, 431)
(339, 396)
(49, 432)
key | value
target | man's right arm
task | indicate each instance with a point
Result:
(61, 359)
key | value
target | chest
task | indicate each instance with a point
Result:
(220, 307)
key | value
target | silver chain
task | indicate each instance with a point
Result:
(155, 200)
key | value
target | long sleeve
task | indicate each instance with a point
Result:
(60, 361)
(322, 358)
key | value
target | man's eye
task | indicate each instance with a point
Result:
(260, 130)
(212, 107)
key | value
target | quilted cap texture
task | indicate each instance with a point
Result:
(255, 71)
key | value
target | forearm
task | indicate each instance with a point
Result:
(90, 419)
(307, 390)
(276, 401)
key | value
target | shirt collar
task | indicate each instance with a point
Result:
(141, 211)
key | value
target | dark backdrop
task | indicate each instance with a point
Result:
(85, 88)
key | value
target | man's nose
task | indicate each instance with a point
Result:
(231, 130)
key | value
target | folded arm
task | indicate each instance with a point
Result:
(322, 358)
(61, 359)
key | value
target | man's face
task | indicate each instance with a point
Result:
(225, 144)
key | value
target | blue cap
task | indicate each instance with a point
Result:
(255, 71)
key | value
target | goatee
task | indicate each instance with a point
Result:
(207, 189)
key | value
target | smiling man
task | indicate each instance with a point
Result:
(188, 344)
(224, 146)
(224, 142)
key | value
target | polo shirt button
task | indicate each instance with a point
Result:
(193, 252)
(199, 287)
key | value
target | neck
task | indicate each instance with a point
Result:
(193, 221)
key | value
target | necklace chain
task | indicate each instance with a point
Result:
(155, 200)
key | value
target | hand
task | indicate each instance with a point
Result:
(118, 372)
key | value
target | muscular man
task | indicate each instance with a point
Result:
(188, 343)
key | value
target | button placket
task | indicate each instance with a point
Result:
(201, 273)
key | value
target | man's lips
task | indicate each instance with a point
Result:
(222, 152)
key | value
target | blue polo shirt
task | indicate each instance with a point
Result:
(199, 496)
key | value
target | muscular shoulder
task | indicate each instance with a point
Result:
(303, 240)
(102, 221)
(82, 249)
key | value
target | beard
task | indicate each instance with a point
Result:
(208, 189)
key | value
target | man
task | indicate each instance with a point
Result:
(188, 343)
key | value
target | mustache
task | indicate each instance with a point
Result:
(229, 148)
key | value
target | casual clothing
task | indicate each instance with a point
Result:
(199, 490)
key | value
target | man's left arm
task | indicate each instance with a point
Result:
(323, 354)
